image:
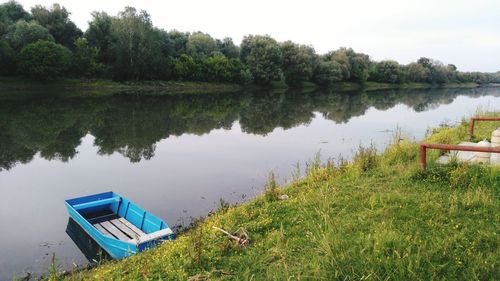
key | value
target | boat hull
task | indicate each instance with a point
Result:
(151, 229)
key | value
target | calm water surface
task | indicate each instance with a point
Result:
(178, 155)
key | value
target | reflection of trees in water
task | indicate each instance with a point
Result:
(341, 108)
(132, 125)
(262, 113)
(53, 128)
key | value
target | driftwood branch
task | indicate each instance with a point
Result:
(242, 240)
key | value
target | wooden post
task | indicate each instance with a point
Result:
(423, 156)
(471, 128)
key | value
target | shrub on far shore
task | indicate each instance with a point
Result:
(44, 60)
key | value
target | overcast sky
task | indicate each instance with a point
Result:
(463, 32)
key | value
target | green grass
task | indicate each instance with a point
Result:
(378, 217)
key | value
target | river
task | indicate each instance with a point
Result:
(177, 155)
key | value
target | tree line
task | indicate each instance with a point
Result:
(45, 44)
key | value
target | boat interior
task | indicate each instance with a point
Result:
(109, 223)
(117, 217)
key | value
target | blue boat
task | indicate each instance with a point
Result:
(119, 226)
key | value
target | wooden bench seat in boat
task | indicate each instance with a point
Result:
(121, 229)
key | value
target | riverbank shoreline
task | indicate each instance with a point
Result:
(102, 87)
(379, 215)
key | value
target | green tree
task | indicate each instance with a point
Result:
(228, 48)
(24, 33)
(85, 59)
(425, 62)
(437, 72)
(12, 11)
(99, 34)
(56, 20)
(245, 76)
(355, 66)
(221, 69)
(342, 60)
(136, 47)
(451, 67)
(7, 58)
(184, 68)
(200, 45)
(386, 71)
(360, 65)
(327, 72)
(417, 72)
(174, 43)
(452, 73)
(44, 60)
(4, 24)
(298, 63)
(439, 75)
(262, 55)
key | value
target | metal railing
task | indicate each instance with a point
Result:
(474, 119)
(425, 146)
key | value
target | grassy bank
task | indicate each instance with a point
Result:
(12, 86)
(378, 217)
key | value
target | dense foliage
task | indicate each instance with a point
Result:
(262, 55)
(85, 59)
(44, 60)
(135, 47)
(298, 62)
(129, 47)
(56, 21)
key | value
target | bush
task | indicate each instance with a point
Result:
(245, 76)
(271, 192)
(184, 68)
(24, 33)
(387, 72)
(366, 158)
(400, 151)
(218, 68)
(327, 72)
(44, 60)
